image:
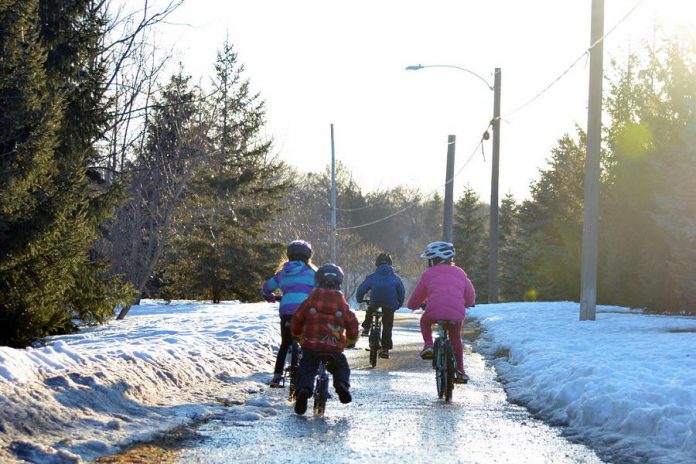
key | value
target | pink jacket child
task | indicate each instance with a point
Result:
(448, 292)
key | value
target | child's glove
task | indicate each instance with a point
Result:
(350, 343)
(270, 298)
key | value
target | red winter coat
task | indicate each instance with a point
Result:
(447, 290)
(324, 322)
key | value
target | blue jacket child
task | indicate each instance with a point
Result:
(296, 280)
(386, 291)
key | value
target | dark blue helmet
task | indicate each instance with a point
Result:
(329, 276)
(299, 249)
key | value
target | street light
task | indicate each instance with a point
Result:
(495, 123)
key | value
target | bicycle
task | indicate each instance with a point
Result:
(321, 384)
(292, 360)
(375, 338)
(444, 362)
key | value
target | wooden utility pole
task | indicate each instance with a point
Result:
(493, 258)
(449, 191)
(333, 237)
(590, 229)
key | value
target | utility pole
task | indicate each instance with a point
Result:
(493, 263)
(590, 229)
(449, 191)
(334, 233)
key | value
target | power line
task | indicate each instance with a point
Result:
(430, 194)
(574, 63)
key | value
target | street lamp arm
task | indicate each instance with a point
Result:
(421, 66)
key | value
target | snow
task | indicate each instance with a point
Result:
(623, 384)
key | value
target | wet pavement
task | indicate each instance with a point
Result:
(395, 416)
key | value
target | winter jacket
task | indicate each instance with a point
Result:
(295, 280)
(324, 322)
(447, 291)
(385, 287)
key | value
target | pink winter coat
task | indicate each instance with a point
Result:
(447, 291)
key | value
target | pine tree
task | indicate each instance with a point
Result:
(221, 250)
(551, 223)
(513, 280)
(49, 210)
(470, 240)
(646, 208)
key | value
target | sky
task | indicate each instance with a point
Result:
(321, 62)
(81, 395)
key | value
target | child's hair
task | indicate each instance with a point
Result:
(284, 261)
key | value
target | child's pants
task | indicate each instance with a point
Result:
(337, 366)
(285, 342)
(454, 334)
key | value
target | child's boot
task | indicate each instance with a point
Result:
(344, 394)
(461, 377)
(301, 401)
(277, 381)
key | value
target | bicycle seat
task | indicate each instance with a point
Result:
(447, 324)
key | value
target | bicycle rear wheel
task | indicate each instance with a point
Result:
(294, 362)
(375, 335)
(450, 369)
(439, 363)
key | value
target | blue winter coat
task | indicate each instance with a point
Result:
(385, 287)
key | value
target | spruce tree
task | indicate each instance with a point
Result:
(513, 280)
(221, 251)
(470, 240)
(53, 113)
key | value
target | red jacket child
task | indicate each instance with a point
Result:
(324, 322)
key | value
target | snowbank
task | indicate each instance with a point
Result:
(83, 394)
(625, 383)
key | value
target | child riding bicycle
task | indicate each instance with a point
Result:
(295, 278)
(386, 291)
(448, 292)
(324, 324)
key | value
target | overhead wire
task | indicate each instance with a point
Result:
(574, 63)
(514, 111)
(429, 194)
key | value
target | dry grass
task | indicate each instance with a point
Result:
(161, 450)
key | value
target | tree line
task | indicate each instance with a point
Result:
(120, 180)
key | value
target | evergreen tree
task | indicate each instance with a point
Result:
(513, 281)
(551, 223)
(651, 104)
(470, 240)
(221, 251)
(50, 211)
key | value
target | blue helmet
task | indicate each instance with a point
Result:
(329, 276)
(299, 249)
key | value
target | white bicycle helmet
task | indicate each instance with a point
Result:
(443, 250)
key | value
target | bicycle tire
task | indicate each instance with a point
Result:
(320, 396)
(294, 362)
(373, 350)
(450, 368)
(440, 372)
